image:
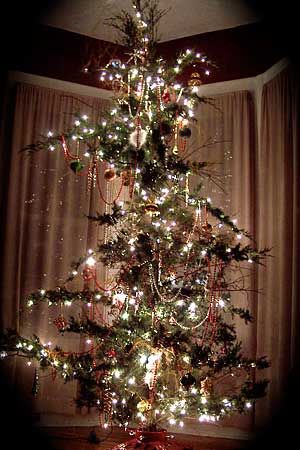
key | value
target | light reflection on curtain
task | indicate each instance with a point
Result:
(278, 227)
(228, 127)
(46, 227)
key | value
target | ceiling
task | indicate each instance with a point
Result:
(185, 18)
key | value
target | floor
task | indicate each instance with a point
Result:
(75, 438)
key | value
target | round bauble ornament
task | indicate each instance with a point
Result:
(151, 209)
(165, 128)
(110, 174)
(207, 228)
(143, 406)
(188, 380)
(60, 323)
(195, 79)
(76, 166)
(111, 353)
(185, 132)
(166, 96)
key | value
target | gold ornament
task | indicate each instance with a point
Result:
(126, 177)
(110, 174)
(151, 209)
(143, 406)
(206, 387)
(195, 79)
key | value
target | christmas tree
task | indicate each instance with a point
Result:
(168, 341)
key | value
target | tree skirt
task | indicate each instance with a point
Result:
(151, 441)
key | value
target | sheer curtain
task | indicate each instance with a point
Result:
(226, 137)
(278, 227)
(45, 227)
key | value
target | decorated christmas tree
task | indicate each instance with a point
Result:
(162, 335)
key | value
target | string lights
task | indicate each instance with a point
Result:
(166, 341)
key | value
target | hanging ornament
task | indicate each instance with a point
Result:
(175, 148)
(76, 166)
(36, 383)
(110, 174)
(88, 273)
(152, 209)
(195, 79)
(138, 138)
(114, 62)
(207, 228)
(60, 323)
(111, 353)
(126, 177)
(165, 128)
(166, 96)
(188, 380)
(206, 387)
(143, 406)
(185, 132)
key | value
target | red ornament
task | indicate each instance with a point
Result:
(111, 353)
(60, 323)
(110, 174)
(88, 274)
(166, 96)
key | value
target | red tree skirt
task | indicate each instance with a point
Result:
(151, 441)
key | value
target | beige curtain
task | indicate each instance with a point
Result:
(45, 227)
(278, 227)
(226, 137)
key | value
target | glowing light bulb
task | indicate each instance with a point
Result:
(143, 359)
(117, 373)
(90, 261)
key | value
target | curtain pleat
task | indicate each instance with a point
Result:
(46, 227)
(278, 228)
(226, 136)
